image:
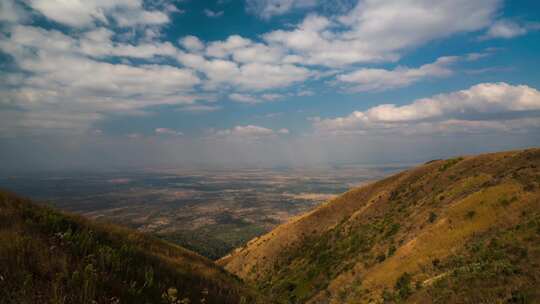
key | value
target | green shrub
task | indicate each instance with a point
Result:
(470, 214)
(449, 163)
(394, 228)
(403, 286)
(391, 250)
(432, 217)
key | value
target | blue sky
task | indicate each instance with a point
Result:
(95, 83)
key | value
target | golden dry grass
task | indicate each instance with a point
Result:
(355, 247)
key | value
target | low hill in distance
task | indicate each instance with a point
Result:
(463, 230)
(52, 257)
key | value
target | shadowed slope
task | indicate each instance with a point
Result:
(51, 257)
(449, 230)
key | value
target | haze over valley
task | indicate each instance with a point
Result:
(208, 211)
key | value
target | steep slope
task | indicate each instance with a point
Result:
(51, 257)
(464, 230)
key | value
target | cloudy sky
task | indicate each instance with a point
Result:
(135, 83)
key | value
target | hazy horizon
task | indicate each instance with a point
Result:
(88, 157)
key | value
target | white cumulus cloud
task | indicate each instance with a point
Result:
(381, 79)
(81, 13)
(64, 72)
(244, 98)
(506, 29)
(379, 30)
(269, 8)
(167, 131)
(249, 132)
(192, 43)
(213, 14)
(485, 104)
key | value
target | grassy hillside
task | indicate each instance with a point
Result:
(463, 230)
(51, 257)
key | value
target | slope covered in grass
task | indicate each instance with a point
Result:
(51, 257)
(464, 230)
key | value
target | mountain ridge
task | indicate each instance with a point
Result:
(420, 227)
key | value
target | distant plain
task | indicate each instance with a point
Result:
(208, 211)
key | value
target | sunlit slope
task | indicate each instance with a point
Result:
(51, 257)
(463, 230)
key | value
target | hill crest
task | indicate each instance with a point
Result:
(413, 229)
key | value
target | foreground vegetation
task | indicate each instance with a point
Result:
(464, 230)
(51, 257)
